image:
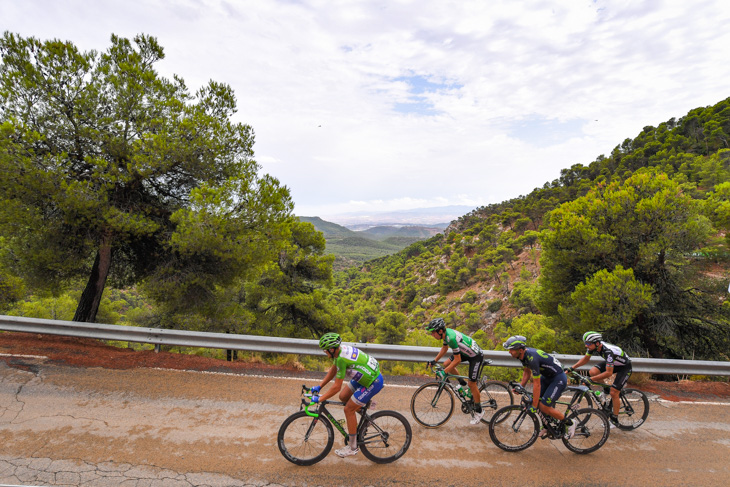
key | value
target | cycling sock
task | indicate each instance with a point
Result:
(353, 442)
(477, 407)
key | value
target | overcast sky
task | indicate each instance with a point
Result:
(380, 105)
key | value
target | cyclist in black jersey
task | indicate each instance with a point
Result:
(548, 379)
(616, 361)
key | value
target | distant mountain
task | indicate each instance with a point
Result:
(418, 216)
(414, 232)
(355, 247)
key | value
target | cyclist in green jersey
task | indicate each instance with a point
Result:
(464, 349)
(364, 381)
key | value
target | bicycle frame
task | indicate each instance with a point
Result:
(322, 410)
(546, 421)
(444, 382)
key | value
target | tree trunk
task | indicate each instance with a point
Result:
(91, 297)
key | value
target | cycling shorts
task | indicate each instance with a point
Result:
(475, 365)
(361, 394)
(551, 388)
(622, 374)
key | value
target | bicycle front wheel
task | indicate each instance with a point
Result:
(432, 404)
(634, 409)
(494, 395)
(513, 428)
(385, 436)
(590, 434)
(305, 440)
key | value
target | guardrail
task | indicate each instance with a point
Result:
(253, 343)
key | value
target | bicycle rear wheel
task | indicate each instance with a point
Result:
(634, 409)
(591, 433)
(432, 404)
(494, 395)
(513, 428)
(385, 436)
(305, 440)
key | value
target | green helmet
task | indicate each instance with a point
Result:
(592, 337)
(329, 340)
(513, 342)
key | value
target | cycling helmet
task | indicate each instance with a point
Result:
(437, 324)
(329, 340)
(592, 337)
(514, 342)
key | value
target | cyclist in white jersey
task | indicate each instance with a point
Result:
(616, 361)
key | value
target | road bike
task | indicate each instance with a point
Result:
(307, 436)
(432, 405)
(634, 407)
(514, 428)
(633, 410)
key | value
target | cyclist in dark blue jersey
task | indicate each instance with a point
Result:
(548, 379)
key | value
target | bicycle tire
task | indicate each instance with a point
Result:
(634, 409)
(513, 428)
(430, 411)
(299, 448)
(385, 436)
(591, 433)
(498, 395)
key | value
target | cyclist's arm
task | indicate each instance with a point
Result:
(583, 360)
(330, 374)
(526, 373)
(452, 364)
(536, 392)
(441, 353)
(331, 391)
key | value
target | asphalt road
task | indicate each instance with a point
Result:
(144, 427)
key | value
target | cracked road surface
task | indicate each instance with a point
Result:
(73, 426)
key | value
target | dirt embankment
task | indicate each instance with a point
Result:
(81, 352)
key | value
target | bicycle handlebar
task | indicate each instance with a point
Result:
(308, 404)
(584, 380)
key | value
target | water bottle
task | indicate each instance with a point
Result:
(464, 392)
(601, 397)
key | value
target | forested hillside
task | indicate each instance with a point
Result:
(632, 244)
(168, 223)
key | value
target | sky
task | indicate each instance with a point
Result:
(370, 106)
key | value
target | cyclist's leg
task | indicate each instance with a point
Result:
(597, 369)
(475, 367)
(622, 377)
(550, 391)
(346, 395)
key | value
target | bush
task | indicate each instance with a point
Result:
(494, 306)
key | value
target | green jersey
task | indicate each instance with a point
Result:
(356, 365)
(461, 344)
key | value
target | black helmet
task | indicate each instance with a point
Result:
(514, 342)
(437, 324)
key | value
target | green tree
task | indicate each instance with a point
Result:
(648, 224)
(108, 170)
(608, 300)
(391, 328)
(290, 295)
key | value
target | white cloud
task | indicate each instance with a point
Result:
(499, 95)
